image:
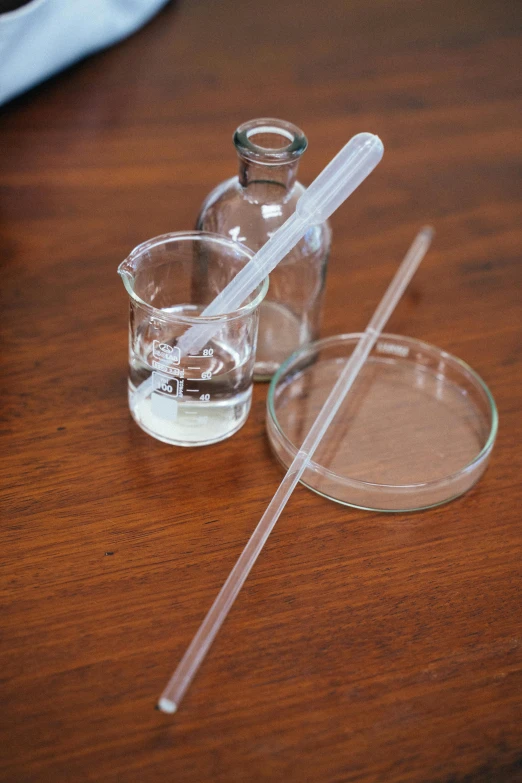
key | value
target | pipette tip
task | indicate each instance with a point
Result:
(168, 706)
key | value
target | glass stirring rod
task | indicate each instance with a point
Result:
(198, 648)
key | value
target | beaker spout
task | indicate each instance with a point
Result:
(127, 278)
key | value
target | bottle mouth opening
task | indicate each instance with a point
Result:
(270, 141)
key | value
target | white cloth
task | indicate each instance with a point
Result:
(45, 36)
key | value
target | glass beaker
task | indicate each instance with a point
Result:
(250, 208)
(191, 400)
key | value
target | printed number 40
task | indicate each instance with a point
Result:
(205, 397)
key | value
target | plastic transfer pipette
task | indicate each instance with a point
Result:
(335, 183)
(182, 677)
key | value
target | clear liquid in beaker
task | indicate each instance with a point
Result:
(206, 400)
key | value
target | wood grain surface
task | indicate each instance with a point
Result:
(364, 647)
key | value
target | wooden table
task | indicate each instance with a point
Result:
(364, 647)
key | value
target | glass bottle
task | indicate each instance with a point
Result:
(249, 208)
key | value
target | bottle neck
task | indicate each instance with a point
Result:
(269, 151)
(257, 173)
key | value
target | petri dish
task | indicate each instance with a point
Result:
(416, 429)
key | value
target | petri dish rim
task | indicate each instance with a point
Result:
(359, 484)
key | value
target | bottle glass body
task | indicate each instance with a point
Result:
(249, 208)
